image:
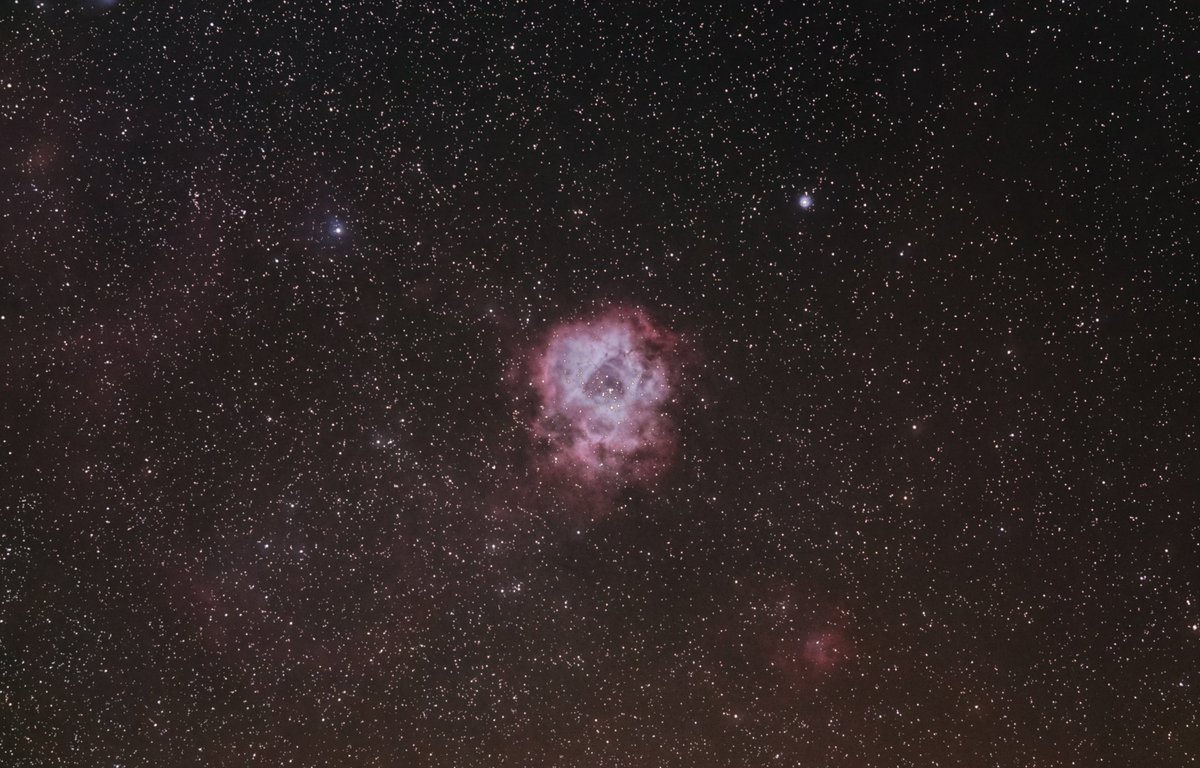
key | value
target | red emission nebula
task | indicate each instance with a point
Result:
(604, 385)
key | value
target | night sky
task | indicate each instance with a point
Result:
(618, 385)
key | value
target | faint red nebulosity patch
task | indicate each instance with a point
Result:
(810, 653)
(803, 641)
(604, 386)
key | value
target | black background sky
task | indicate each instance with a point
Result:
(267, 269)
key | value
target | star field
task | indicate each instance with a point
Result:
(471, 385)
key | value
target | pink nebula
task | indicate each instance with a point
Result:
(811, 654)
(604, 385)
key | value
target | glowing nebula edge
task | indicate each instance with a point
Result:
(604, 385)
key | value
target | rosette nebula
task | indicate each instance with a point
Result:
(604, 386)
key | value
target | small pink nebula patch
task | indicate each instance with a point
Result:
(809, 655)
(604, 385)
